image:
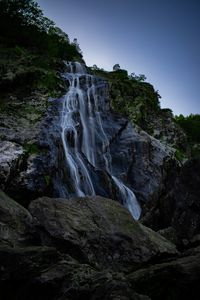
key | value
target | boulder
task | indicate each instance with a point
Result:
(89, 248)
(15, 222)
(176, 279)
(97, 231)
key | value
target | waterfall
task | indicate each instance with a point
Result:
(85, 142)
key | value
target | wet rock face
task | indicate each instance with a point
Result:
(34, 124)
(119, 149)
(139, 159)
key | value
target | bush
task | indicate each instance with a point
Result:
(191, 126)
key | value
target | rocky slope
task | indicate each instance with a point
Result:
(88, 248)
(176, 213)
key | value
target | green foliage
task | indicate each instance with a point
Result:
(191, 125)
(131, 96)
(180, 155)
(139, 77)
(47, 179)
(32, 48)
(23, 24)
(116, 67)
(31, 148)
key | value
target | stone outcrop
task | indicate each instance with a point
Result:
(177, 211)
(26, 163)
(33, 123)
(88, 248)
(176, 279)
(15, 222)
(11, 157)
(140, 160)
(97, 231)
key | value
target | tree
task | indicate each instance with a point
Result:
(94, 67)
(75, 42)
(116, 67)
(22, 23)
(140, 77)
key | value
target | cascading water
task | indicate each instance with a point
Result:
(84, 139)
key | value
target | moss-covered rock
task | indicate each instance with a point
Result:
(139, 101)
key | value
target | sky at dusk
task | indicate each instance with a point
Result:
(158, 38)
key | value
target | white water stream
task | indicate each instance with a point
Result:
(84, 139)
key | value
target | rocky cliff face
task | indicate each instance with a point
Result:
(176, 212)
(34, 161)
(91, 247)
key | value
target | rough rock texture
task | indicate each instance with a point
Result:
(140, 102)
(177, 279)
(164, 128)
(26, 126)
(98, 230)
(15, 222)
(140, 160)
(20, 117)
(11, 157)
(179, 206)
(33, 122)
(89, 248)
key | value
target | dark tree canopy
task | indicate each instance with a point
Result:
(191, 125)
(22, 23)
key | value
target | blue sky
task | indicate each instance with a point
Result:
(158, 38)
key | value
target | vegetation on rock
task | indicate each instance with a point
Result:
(191, 125)
(32, 48)
(136, 99)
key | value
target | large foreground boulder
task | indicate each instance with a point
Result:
(98, 231)
(88, 248)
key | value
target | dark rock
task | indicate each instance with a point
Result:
(27, 125)
(179, 205)
(97, 231)
(177, 279)
(19, 268)
(15, 222)
(34, 123)
(89, 248)
(140, 160)
(11, 157)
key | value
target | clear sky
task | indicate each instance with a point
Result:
(158, 38)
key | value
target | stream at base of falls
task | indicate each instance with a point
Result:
(85, 141)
